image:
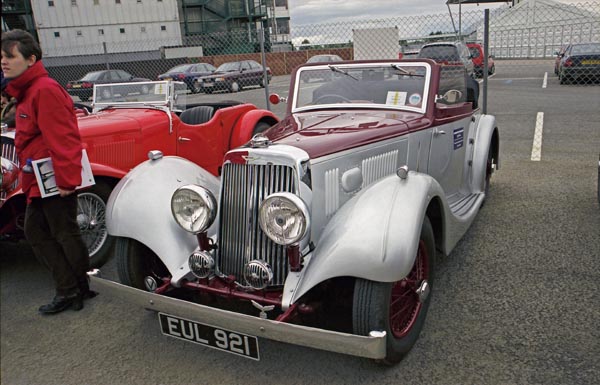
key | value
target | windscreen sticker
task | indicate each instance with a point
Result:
(414, 99)
(459, 137)
(396, 98)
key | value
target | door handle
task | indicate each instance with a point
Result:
(437, 132)
(182, 139)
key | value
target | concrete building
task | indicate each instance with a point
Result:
(87, 27)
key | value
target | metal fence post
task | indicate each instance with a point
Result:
(263, 56)
(486, 40)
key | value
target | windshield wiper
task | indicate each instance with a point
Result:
(405, 72)
(335, 69)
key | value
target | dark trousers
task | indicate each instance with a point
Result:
(52, 231)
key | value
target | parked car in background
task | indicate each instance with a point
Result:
(187, 73)
(408, 55)
(119, 133)
(84, 87)
(455, 59)
(323, 58)
(449, 53)
(233, 76)
(477, 56)
(580, 63)
(559, 54)
(321, 231)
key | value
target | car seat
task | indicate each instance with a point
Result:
(197, 115)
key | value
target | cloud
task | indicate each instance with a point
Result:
(331, 11)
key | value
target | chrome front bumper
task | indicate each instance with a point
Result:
(373, 346)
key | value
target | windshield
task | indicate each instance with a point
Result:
(160, 93)
(586, 49)
(181, 68)
(228, 67)
(92, 76)
(394, 85)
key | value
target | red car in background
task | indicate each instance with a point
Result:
(119, 134)
(477, 56)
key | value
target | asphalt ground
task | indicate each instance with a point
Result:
(516, 302)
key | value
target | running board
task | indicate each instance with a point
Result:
(460, 205)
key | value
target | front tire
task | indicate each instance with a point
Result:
(398, 308)
(135, 262)
(91, 217)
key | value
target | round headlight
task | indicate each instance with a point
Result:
(194, 208)
(284, 218)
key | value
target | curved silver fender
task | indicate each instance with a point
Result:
(140, 208)
(373, 236)
(486, 128)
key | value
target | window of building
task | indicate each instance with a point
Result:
(79, 33)
(100, 31)
(56, 34)
(139, 1)
(281, 3)
(73, 3)
(163, 27)
(96, 2)
(117, 1)
(122, 30)
(50, 3)
(143, 29)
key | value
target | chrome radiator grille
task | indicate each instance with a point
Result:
(8, 152)
(241, 239)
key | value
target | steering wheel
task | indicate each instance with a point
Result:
(333, 98)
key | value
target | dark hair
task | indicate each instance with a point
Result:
(24, 42)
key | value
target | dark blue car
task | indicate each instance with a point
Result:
(187, 73)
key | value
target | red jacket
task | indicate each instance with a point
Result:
(46, 126)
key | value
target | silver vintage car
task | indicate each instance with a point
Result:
(321, 231)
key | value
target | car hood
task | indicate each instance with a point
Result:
(116, 121)
(324, 133)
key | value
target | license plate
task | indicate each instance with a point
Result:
(585, 62)
(226, 340)
(207, 84)
(76, 85)
(167, 79)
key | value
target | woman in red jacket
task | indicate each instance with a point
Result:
(46, 126)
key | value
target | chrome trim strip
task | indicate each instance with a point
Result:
(373, 346)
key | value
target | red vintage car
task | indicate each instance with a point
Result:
(118, 134)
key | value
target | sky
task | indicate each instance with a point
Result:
(331, 11)
(304, 12)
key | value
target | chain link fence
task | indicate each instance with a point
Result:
(520, 38)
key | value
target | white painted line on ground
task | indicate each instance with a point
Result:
(536, 150)
(545, 82)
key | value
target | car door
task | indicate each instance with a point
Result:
(246, 77)
(449, 143)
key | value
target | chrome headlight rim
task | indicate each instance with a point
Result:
(300, 207)
(201, 212)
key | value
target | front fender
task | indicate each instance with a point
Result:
(242, 132)
(104, 170)
(140, 207)
(374, 235)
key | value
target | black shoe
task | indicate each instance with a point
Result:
(89, 294)
(61, 303)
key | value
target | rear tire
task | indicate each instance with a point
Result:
(396, 307)
(260, 127)
(235, 87)
(91, 217)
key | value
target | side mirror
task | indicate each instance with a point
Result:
(276, 99)
(450, 97)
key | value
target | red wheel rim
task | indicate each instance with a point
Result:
(404, 302)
